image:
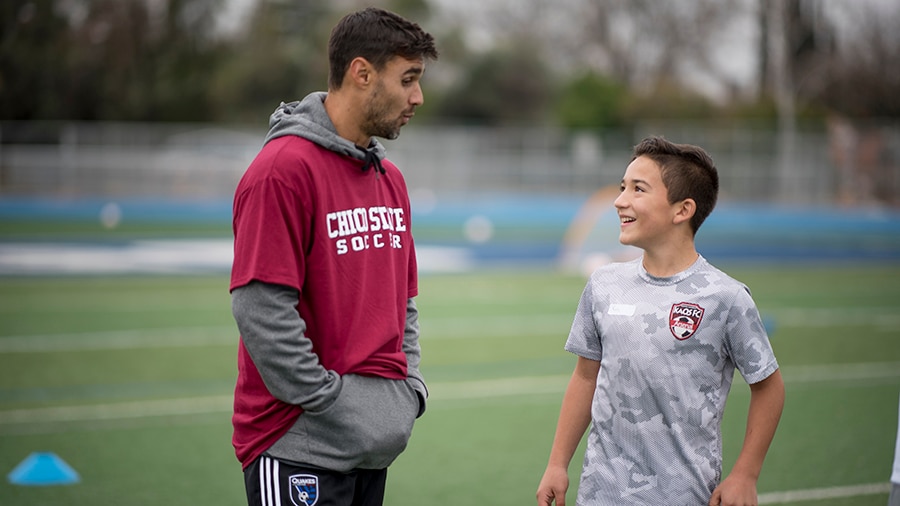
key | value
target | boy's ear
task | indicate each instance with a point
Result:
(684, 211)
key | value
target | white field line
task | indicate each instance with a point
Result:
(223, 403)
(559, 323)
(119, 411)
(121, 340)
(167, 257)
(817, 494)
(448, 328)
(885, 317)
(501, 387)
(841, 372)
(471, 389)
(432, 328)
(439, 391)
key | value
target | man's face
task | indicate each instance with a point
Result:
(394, 97)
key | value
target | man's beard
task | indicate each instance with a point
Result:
(377, 122)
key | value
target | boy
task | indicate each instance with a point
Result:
(657, 341)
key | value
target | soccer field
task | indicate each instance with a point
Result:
(129, 380)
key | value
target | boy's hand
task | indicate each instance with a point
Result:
(735, 490)
(553, 487)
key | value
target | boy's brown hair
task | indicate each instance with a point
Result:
(688, 173)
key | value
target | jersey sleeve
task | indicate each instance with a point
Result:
(412, 277)
(584, 336)
(271, 229)
(747, 341)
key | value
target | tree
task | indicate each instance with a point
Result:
(861, 77)
(501, 87)
(649, 45)
(108, 59)
(31, 40)
(592, 101)
(282, 56)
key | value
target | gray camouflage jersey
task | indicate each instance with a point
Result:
(668, 348)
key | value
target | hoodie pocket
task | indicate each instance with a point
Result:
(367, 426)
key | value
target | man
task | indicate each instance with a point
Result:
(324, 277)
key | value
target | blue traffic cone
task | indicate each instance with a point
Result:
(43, 468)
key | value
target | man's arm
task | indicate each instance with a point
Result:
(273, 333)
(766, 404)
(574, 418)
(414, 354)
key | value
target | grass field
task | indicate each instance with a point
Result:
(129, 380)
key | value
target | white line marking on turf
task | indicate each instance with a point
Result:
(500, 387)
(457, 390)
(824, 317)
(167, 256)
(223, 403)
(121, 410)
(449, 328)
(121, 340)
(440, 391)
(815, 494)
(152, 256)
(480, 327)
(841, 372)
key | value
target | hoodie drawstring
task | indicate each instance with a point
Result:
(371, 160)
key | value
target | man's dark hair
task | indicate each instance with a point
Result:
(688, 173)
(376, 35)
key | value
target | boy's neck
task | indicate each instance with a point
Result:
(666, 262)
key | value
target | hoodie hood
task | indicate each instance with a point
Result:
(307, 119)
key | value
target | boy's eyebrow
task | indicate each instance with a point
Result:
(637, 181)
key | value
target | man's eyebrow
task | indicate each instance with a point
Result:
(636, 181)
(416, 70)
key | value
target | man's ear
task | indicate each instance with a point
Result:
(360, 71)
(684, 211)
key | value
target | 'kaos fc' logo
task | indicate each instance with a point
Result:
(684, 319)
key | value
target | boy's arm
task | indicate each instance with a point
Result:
(574, 417)
(766, 404)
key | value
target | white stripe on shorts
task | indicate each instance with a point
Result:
(270, 493)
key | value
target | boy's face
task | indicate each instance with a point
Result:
(645, 215)
(394, 97)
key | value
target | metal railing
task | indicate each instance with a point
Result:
(200, 160)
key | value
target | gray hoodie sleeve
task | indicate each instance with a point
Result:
(273, 333)
(414, 354)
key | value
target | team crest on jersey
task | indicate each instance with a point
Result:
(684, 319)
(304, 489)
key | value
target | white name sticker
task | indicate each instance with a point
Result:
(621, 309)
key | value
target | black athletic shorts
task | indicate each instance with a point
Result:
(272, 482)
